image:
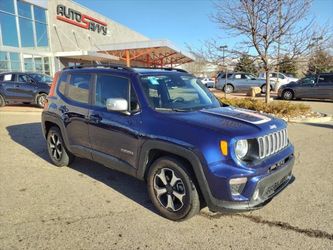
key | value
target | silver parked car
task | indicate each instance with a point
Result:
(240, 82)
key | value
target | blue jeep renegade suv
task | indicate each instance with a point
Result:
(164, 127)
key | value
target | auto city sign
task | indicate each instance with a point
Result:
(76, 18)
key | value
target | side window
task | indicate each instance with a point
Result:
(108, 86)
(244, 76)
(281, 76)
(22, 78)
(238, 76)
(8, 77)
(323, 79)
(78, 88)
(62, 82)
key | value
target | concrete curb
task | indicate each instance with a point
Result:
(324, 118)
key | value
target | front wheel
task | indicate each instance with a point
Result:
(228, 89)
(172, 190)
(40, 100)
(287, 95)
(58, 152)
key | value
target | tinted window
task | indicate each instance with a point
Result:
(78, 87)
(7, 5)
(62, 82)
(8, 31)
(325, 79)
(24, 9)
(8, 77)
(108, 86)
(39, 14)
(27, 35)
(41, 35)
(22, 78)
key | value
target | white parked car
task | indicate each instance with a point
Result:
(283, 79)
(208, 82)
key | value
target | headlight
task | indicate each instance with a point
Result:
(241, 148)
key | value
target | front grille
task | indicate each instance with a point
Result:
(272, 143)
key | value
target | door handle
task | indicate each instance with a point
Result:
(94, 118)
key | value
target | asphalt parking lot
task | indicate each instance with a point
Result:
(88, 206)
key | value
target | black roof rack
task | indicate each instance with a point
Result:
(111, 66)
(121, 67)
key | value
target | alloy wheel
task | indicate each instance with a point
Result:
(169, 189)
(41, 100)
(287, 95)
(56, 147)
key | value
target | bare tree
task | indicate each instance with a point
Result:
(263, 25)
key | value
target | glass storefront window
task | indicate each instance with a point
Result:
(24, 9)
(41, 35)
(8, 31)
(15, 61)
(27, 35)
(47, 66)
(4, 61)
(28, 62)
(38, 64)
(7, 5)
(40, 15)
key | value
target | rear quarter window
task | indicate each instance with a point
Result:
(78, 87)
(75, 86)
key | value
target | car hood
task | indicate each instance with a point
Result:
(232, 121)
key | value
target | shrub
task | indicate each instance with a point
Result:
(277, 108)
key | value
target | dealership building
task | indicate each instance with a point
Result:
(47, 35)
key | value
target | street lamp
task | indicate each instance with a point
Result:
(316, 45)
(223, 48)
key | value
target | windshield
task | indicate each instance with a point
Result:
(41, 78)
(177, 93)
(308, 80)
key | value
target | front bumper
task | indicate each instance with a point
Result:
(266, 188)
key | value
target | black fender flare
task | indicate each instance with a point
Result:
(55, 119)
(194, 158)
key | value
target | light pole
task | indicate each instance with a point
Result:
(223, 48)
(316, 45)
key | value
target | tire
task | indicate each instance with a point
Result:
(2, 101)
(263, 88)
(170, 176)
(228, 88)
(59, 154)
(40, 100)
(287, 94)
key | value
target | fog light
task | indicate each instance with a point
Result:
(237, 185)
(256, 195)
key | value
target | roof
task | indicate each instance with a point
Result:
(87, 55)
(150, 53)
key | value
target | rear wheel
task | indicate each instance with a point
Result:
(58, 152)
(228, 89)
(2, 101)
(287, 94)
(263, 88)
(172, 190)
(40, 100)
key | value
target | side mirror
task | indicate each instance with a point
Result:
(117, 104)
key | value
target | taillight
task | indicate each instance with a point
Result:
(54, 82)
(52, 88)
